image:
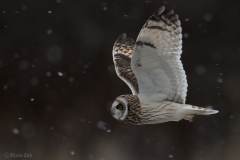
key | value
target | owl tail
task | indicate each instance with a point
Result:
(191, 111)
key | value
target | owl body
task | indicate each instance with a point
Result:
(137, 113)
(152, 68)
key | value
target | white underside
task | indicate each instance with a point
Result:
(169, 111)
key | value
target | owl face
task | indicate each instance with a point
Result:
(120, 108)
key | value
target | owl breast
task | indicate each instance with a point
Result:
(129, 109)
(139, 113)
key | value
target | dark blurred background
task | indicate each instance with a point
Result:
(58, 81)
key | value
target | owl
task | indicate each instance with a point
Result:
(152, 69)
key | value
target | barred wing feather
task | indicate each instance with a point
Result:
(122, 54)
(156, 59)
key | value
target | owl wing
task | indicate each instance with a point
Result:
(156, 59)
(122, 55)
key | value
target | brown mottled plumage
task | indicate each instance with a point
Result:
(134, 110)
(122, 54)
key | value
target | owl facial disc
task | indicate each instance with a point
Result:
(119, 109)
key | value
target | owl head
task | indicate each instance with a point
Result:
(120, 108)
(126, 108)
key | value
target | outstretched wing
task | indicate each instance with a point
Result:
(122, 54)
(156, 59)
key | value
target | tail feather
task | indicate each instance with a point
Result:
(190, 111)
(199, 110)
(209, 111)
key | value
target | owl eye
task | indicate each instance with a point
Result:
(120, 107)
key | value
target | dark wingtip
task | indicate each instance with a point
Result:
(129, 40)
(169, 12)
(121, 37)
(174, 17)
(161, 10)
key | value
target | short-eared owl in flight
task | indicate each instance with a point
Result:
(152, 68)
